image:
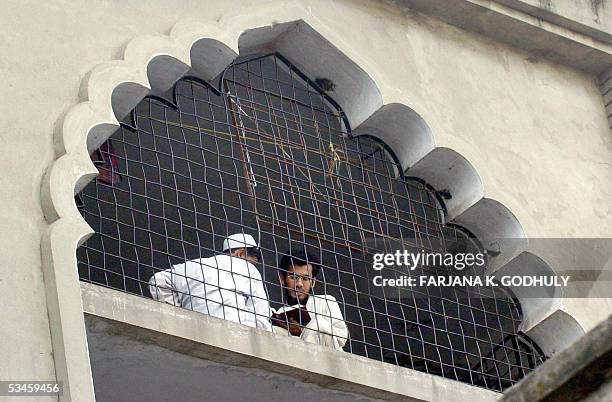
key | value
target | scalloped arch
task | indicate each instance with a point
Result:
(154, 63)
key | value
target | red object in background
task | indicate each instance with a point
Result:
(107, 163)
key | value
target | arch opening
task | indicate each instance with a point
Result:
(261, 149)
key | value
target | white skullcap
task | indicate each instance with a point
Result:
(239, 240)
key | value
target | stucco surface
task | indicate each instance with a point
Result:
(158, 374)
(593, 13)
(536, 132)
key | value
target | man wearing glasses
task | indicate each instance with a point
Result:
(314, 318)
(227, 286)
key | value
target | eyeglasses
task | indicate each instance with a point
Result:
(296, 277)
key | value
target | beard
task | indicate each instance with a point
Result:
(292, 301)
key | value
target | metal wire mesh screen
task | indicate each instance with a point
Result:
(263, 151)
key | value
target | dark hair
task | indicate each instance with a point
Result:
(251, 251)
(299, 257)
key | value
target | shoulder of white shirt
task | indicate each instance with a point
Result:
(218, 258)
(325, 297)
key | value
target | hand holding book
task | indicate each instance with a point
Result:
(293, 319)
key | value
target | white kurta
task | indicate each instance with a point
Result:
(222, 286)
(326, 327)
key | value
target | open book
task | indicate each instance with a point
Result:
(284, 314)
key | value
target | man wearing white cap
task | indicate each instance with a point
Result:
(226, 285)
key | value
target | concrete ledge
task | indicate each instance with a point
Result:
(210, 338)
(582, 372)
(522, 28)
(554, 17)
